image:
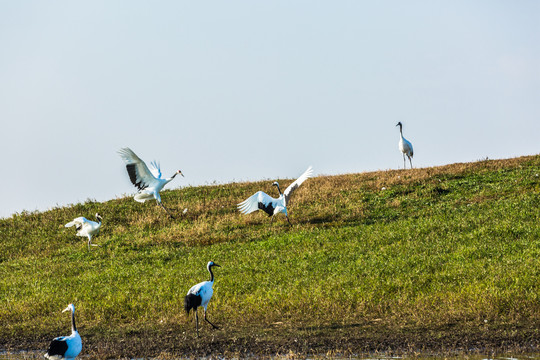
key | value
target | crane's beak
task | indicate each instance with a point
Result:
(217, 265)
(66, 309)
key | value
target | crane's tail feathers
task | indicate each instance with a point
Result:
(191, 301)
(53, 357)
(142, 197)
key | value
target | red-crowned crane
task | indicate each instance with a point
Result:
(272, 206)
(87, 227)
(66, 347)
(147, 180)
(405, 145)
(200, 295)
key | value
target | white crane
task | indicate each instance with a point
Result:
(405, 145)
(87, 227)
(270, 205)
(200, 295)
(147, 180)
(66, 347)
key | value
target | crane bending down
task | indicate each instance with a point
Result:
(87, 227)
(147, 180)
(200, 295)
(270, 205)
(66, 347)
(405, 145)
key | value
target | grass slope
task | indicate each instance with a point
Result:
(438, 259)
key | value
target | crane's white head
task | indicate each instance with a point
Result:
(399, 124)
(98, 217)
(180, 173)
(275, 183)
(70, 307)
(211, 264)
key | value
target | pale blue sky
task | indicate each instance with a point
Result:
(247, 90)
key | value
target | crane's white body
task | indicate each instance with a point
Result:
(200, 295)
(405, 146)
(66, 347)
(272, 206)
(204, 290)
(86, 227)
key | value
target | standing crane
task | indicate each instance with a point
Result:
(200, 295)
(405, 145)
(147, 180)
(87, 227)
(66, 347)
(272, 206)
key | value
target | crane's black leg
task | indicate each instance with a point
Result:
(197, 322)
(403, 161)
(208, 321)
(288, 219)
(90, 244)
(410, 161)
(166, 210)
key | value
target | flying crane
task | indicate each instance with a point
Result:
(147, 180)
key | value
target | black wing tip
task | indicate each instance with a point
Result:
(269, 209)
(57, 347)
(132, 172)
(191, 301)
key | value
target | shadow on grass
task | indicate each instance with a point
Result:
(331, 327)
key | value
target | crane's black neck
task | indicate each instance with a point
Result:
(278, 189)
(211, 274)
(172, 177)
(73, 326)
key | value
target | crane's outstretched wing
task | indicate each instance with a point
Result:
(78, 221)
(258, 201)
(139, 174)
(289, 190)
(155, 169)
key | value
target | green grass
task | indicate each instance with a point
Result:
(439, 253)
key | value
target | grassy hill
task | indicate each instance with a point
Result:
(444, 258)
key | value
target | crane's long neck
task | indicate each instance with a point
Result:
(170, 179)
(401, 130)
(278, 189)
(211, 274)
(73, 326)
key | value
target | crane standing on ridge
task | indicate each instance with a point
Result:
(87, 227)
(200, 295)
(272, 206)
(405, 145)
(148, 181)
